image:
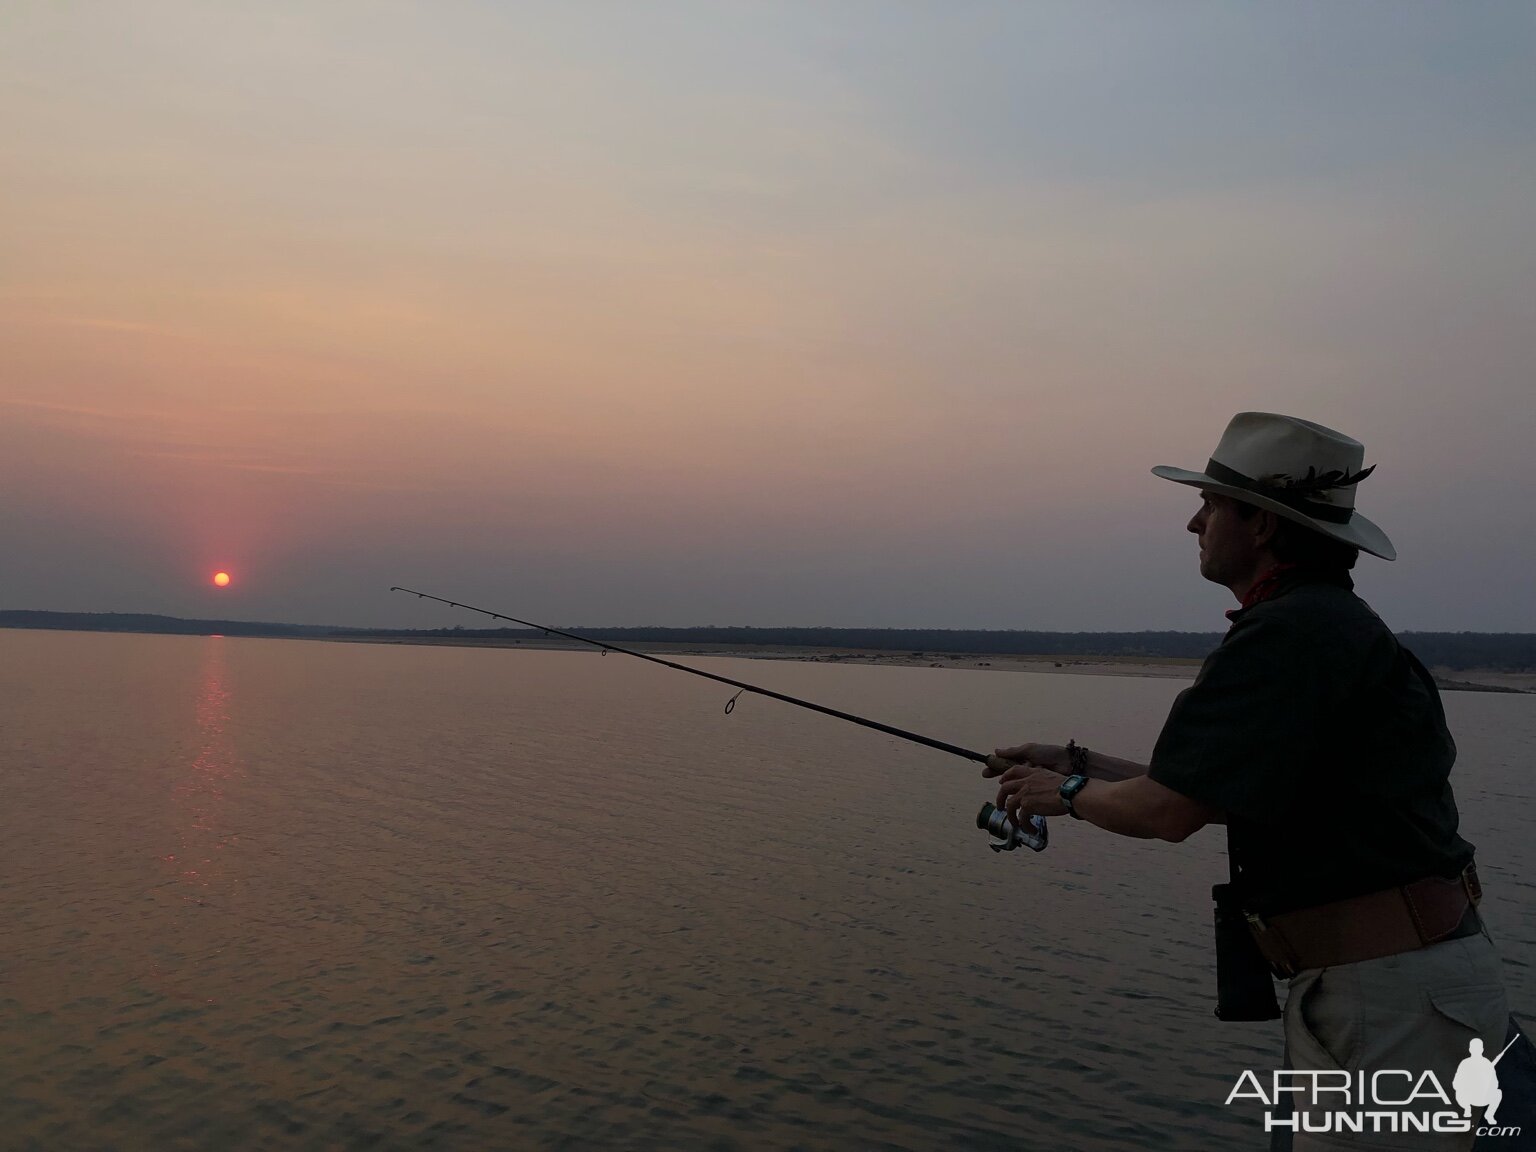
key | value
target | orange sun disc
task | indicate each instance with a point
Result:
(221, 579)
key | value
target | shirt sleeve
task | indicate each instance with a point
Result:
(1242, 737)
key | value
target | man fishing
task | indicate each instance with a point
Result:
(1321, 744)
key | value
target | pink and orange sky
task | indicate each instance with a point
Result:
(854, 313)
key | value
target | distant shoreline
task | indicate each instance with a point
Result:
(1465, 679)
(1466, 662)
(997, 661)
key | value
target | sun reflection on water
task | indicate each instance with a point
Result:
(199, 797)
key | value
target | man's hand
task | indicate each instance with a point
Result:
(1027, 788)
(1125, 800)
(1052, 756)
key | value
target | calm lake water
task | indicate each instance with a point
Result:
(281, 894)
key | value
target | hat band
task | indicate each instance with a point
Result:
(1220, 473)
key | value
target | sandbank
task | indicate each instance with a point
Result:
(1457, 679)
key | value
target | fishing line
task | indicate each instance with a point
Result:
(986, 820)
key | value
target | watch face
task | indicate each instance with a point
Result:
(1069, 790)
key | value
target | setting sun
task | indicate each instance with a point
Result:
(221, 579)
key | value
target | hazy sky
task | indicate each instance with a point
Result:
(833, 312)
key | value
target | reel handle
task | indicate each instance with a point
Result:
(1006, 836)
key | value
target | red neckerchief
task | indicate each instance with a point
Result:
(1263, 588)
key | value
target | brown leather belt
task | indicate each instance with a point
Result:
(1367, 927)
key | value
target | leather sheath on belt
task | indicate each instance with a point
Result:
(1377, 924)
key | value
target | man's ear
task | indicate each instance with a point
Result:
(1265, 525)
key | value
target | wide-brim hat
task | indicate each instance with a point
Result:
(1294, 468)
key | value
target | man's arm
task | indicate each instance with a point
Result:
(1143, 808)
(1105, 767)
(1136, 806)
(1101, 766)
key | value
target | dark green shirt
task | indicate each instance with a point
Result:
(1324, 742)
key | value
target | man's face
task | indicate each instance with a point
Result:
(1228, 554)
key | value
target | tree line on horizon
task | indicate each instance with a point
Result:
(1503, 651)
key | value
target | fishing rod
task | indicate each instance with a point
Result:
(994, 820)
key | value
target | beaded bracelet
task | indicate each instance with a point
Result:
(1077, 758)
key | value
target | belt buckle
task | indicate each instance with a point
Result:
(1472, 884)
(1273, 946)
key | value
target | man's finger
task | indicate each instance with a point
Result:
(1018, 773)
(996, 766)
(1016, 753)
(1008, 792)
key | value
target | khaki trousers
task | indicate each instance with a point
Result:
(1414, 1011)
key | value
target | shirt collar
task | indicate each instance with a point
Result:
(1279, 580)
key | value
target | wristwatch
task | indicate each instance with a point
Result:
(1070, 787)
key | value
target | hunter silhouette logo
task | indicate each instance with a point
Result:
(1477, 1081)
(1388, 1100)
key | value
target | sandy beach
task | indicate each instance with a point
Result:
(1450, 679)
